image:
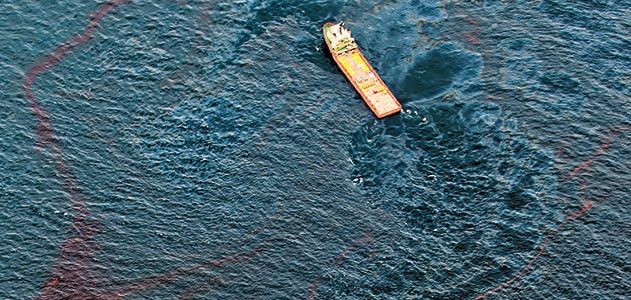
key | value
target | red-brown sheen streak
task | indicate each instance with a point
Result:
(313, 286)
(71, 276)
(363, 239)
(587, 205)
(191, 292)
(153, 282)
(472, 37)
(602, 149)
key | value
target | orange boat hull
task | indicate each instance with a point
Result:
(363, 77)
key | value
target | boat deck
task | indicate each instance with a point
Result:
(364, 78)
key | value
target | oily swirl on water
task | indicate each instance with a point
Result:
(472, 195)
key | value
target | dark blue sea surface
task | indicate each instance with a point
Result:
(156, 149)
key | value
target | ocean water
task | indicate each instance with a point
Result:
(156, 149)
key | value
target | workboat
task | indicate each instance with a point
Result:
(358, 71)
